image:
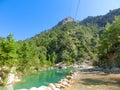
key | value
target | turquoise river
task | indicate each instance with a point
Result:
(39, 79)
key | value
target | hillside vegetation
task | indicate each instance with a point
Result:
(109, 47)
(102, 20)
(68, 42)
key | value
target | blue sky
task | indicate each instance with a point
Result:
(26, 18)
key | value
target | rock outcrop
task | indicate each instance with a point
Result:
(12, 76)
(66, 20)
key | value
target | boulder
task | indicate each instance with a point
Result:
(57, 85)
(1, 81)
(74, 74)
(17, 79)
(65, 83)
(57, 89)
(66, 80)
(69, 77)
(33, 88)
(10, 78)
(62, 86)
(22, 89)
(115, 69)
(44, 88)
(48, 88)
(9, 87)
(52, 86)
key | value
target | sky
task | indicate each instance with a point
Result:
(26, 18)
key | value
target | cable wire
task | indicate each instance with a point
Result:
(77, 9)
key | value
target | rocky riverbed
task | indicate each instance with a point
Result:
(95, 80)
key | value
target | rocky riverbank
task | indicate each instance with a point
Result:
(63, 84)
(94, 79)
(87, 79)
(8, 76)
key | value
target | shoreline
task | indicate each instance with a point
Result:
(13, 79)
(75, 76)
(63, 84)
(96, 80)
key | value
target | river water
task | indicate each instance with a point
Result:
(39, 79)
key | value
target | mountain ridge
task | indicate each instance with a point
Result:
(102, 20)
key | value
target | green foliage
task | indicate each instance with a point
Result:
(43, 59)
(53, 58)
(8, 50)
(25, 60)
(69, 42)
(118, 38)
(65, 56)
(102, 20)
(109, 44)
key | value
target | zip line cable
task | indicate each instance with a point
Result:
(77, 9)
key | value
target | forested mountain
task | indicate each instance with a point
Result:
(68, 42)
(102, 20)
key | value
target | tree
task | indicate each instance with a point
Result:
(43, 60)
(8, 50)
(66, 57)
(25, 57)
(109, 44)
(53, 58)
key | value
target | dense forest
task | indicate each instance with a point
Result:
(109, 45)
(68, 42)
(102, 20)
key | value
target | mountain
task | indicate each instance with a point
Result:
(66, 20)
(91, 41)
(102, 20)
(69, 40)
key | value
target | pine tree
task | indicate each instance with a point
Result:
(8, 50)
